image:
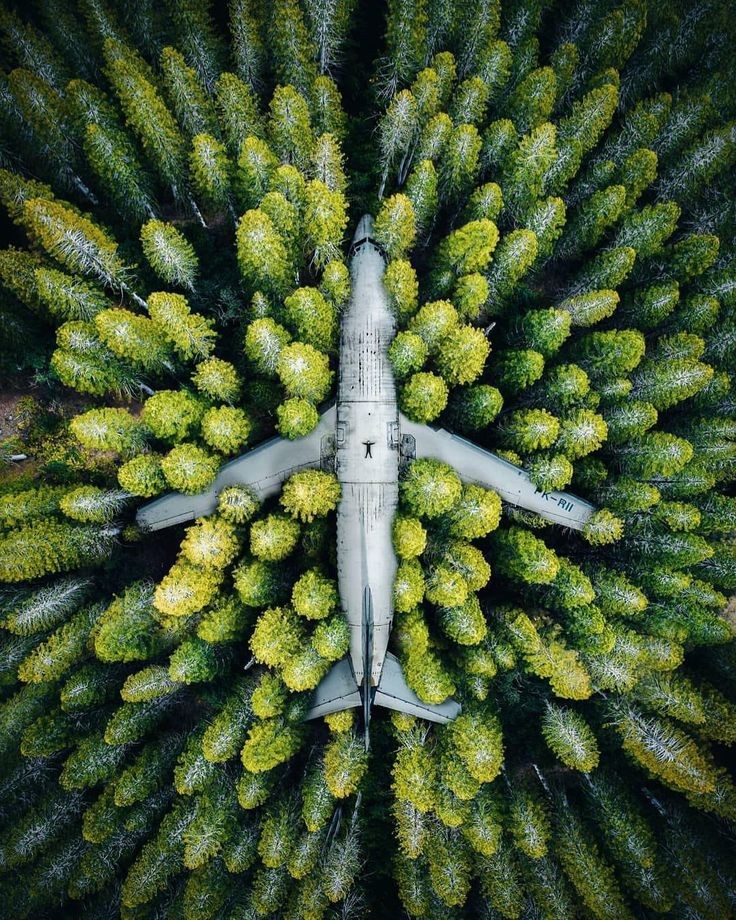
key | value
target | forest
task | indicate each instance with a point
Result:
(553, 184)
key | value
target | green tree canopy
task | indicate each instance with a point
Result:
(551, 187)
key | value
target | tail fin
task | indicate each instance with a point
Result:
(367, 659)
(394, 693)
(337, 690)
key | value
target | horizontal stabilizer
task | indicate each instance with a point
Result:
(336, 691)
(394, 693)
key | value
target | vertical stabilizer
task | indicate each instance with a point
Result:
(367, 663)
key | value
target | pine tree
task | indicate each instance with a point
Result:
(191, 106)
(554, 211)
(304, 372)
(189, 333)
(423, 397)
(212, 172)
(47, 546)
(570, 738)
(169, 254)
(186, 589)
(109, 152)
(407, 353)
(513, 257)
(430, 488)
(395, 226)
(289, 127)
(273, 538)
(172, 415)
(296, 418)
(421, 190)
(188, 468)
(665, 751)
(590, 220)
(460, 162)
(225, 429)
(585, 866)
(142, 475)
(325, 219)
(262, 256)
(312, 318)
(396, 131)
(579, 132)
(74, 240)
(146, 113)
(134, 339)
(310, 494)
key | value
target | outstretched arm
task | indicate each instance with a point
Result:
(263, 469)
(474, 464)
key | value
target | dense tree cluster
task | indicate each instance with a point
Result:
(553, 188)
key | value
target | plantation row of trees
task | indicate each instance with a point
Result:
(552, 184)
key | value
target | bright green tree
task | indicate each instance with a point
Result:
(395, 226)
(188, 468)
(423, 396)
(304, 372)
(310, 494)
(262, 255)
(430, 488)
(169, 254)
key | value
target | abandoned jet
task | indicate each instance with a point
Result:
(365, 440)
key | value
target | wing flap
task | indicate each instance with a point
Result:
(338, 690)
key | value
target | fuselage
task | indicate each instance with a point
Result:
(367, 458)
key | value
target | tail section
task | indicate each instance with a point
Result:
(339, 690)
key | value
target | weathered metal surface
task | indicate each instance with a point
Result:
(474, 464)
(367, 454)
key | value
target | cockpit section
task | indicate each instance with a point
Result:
(364, 237)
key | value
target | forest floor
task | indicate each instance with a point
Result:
(730, 610)
(11, 419)
(33, 423)
(22, 402)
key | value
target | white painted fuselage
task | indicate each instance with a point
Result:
(367, 458)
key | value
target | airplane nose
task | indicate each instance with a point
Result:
(364, 228)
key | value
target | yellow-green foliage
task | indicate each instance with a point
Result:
(550, 186)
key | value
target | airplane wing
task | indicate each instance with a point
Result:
(474, 464)
(263, 469)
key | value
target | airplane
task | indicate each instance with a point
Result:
(367, 441)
